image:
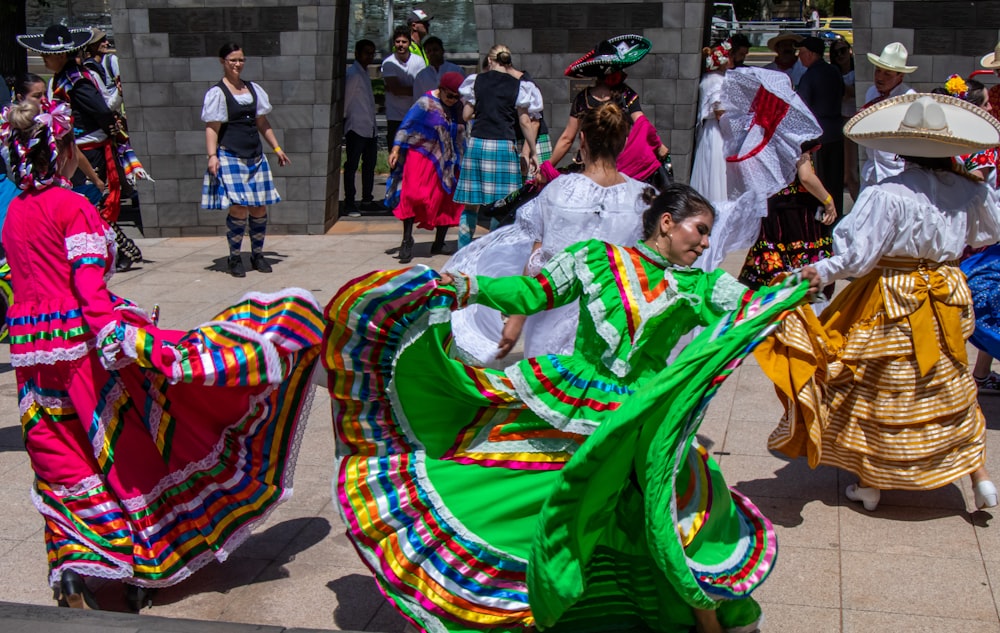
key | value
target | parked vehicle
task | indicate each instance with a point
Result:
(724, 22)
(842, 26)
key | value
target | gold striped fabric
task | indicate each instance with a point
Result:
(879, 385)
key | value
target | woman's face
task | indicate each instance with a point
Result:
(232, 64)
(55, 62)
(683, 242)
(35, 93)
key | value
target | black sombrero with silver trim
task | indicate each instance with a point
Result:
(56, 39)
(612, 54)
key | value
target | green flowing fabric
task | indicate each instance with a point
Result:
(651, 434)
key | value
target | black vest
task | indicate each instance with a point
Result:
(496, 109)
(240, 135)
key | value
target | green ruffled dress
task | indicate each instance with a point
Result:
(566, 492)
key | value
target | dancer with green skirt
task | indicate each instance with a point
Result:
(567, 492)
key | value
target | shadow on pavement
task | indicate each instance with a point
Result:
(11, 439)
(358, 600)
(220, 264)
(285, 540)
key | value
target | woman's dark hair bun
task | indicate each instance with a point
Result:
(227, 48)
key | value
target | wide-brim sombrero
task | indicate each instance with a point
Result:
(992, 60)
(610, 55)
(927, 125)
(783, 36)
(56, 39)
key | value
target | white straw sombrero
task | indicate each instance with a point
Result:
(992, 60)
(927, 125)
(893, 57)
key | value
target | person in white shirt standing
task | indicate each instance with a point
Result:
(399, 70)
(429, 78)
(890, 68)
(785, 59)
(360, 141)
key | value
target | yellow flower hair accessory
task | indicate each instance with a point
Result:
(956, 86)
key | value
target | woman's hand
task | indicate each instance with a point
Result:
(213, 165)
(446, 279)
(812, 276)
(829, 213)
(393, 157)
(511, 333)
(283, 158)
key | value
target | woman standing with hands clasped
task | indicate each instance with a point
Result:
(239, 177)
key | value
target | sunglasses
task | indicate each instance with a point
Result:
(838, 51)
(447, 94)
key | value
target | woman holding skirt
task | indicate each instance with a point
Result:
(568, 491)
(425, 161)
(154, 451)
(879, 384)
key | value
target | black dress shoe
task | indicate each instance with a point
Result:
(260, 264)
(235, 263)
(406, 250)
(138, 597)
(75, 593)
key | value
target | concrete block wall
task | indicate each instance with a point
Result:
(295, 51)
(942, 36)
(546, 36)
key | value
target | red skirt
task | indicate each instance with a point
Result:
(422, 197)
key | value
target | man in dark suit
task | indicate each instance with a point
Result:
(822, 89)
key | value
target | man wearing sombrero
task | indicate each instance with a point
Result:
(879, 385)
(785, 61)
(93, 125)
(890, 70)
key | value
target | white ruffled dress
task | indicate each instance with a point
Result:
(570, 209)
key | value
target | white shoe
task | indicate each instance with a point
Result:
(869, 497)
(985, 494)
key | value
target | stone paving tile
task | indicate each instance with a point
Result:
(917, 585)
(803, 576)
(769, 476)
(813, 524)
(909, 531)
(788, 618)
(869, 621)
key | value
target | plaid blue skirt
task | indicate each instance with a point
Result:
(490, 171)
(241, 181)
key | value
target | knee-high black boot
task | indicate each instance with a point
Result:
(128, 252)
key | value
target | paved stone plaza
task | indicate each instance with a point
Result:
(920, 563)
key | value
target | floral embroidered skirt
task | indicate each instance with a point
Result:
(790, 237)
